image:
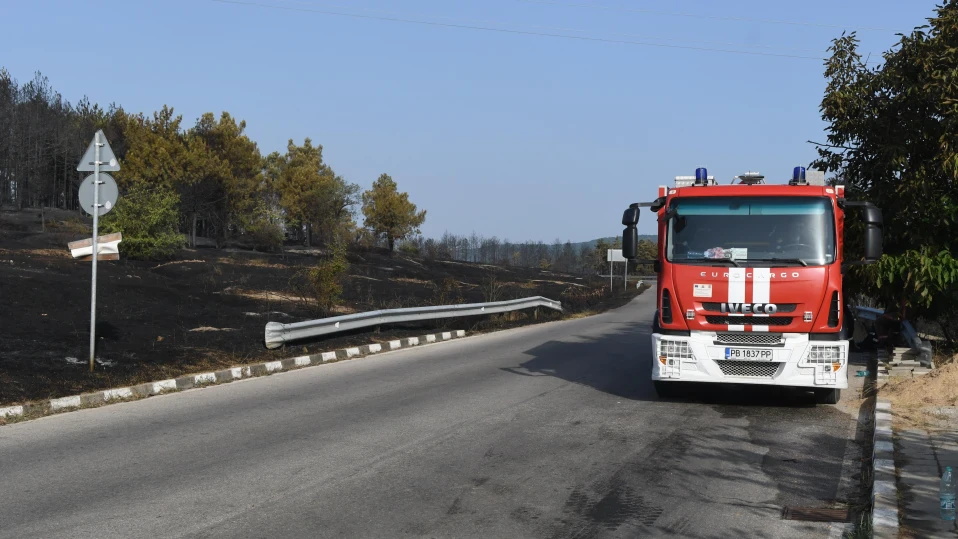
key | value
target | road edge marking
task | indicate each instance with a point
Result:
(36, 409)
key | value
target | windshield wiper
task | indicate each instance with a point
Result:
(704, 261)
(792, 260)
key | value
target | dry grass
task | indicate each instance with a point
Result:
(50, 253)
(559, 282)
(178, 262)
(262, 295)
(914, 399)
(208, 328)
(70, 226)
(251, 262)
(408, 280)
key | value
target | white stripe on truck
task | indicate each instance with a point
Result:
(736, 291)
(761, 284)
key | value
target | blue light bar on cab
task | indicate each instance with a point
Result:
(701, 176)
(798, 174)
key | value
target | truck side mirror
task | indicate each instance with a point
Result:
(630, 243)
(630, 236)
(873, 233)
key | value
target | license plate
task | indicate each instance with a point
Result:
(757, 354)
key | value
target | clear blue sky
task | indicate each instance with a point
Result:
(513, 135)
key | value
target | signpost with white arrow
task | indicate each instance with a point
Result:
(98, 158)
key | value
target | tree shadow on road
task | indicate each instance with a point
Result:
(618, 361)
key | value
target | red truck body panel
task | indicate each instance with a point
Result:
(801, 289)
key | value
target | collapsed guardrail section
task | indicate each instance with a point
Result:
(919, 347)
(278, 334)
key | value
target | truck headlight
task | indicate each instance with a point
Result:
(825, 354)
(674, 350)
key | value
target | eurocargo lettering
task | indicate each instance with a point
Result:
(750, 281)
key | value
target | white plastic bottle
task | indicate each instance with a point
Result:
(946, 495)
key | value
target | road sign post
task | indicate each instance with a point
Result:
(98, 157)
(615, 255)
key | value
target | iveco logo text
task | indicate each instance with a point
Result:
(772, 275)
(747, 308)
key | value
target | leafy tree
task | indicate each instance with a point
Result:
(311, 192)
(599, 260)
(648, 250)
(893, 140)
(232, 176)
(389, 213)
(157, 150)
(147, 217)
(202, 189)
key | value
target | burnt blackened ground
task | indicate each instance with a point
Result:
(207, 308)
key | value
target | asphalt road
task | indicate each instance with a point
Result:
(552, 431)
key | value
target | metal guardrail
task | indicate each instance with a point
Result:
(277, 334)
(922, 348)
(868, 313)
(918, 346)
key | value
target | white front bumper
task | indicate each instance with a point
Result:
(700, 358)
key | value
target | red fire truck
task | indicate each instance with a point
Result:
(750, 281)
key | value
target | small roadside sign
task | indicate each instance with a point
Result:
(615, 255)
(108, 248)
(98, 158)
(108, 162)
(108, 194)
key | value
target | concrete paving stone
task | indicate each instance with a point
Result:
(920, 479)
(928, 529)
(915, 450)
(884, 517)
(884, 465)
(948, 458)
(944, 441)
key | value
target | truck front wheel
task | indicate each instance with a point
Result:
(828, 396)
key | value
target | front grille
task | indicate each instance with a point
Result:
(757, 369)
(749, 338)
(748, 320)
(782, 307)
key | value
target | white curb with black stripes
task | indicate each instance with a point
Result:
(884, 490)
(219, 377)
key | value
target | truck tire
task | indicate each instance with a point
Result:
(828, 396)
(667, 390)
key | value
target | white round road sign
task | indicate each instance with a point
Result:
(108, 193)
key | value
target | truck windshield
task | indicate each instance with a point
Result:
(780, 231)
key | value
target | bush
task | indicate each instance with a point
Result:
(447, 292)
(266, 236)
(74, 226)
(492, 288)
(409, 248)
(320, 287)
(147, 217)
